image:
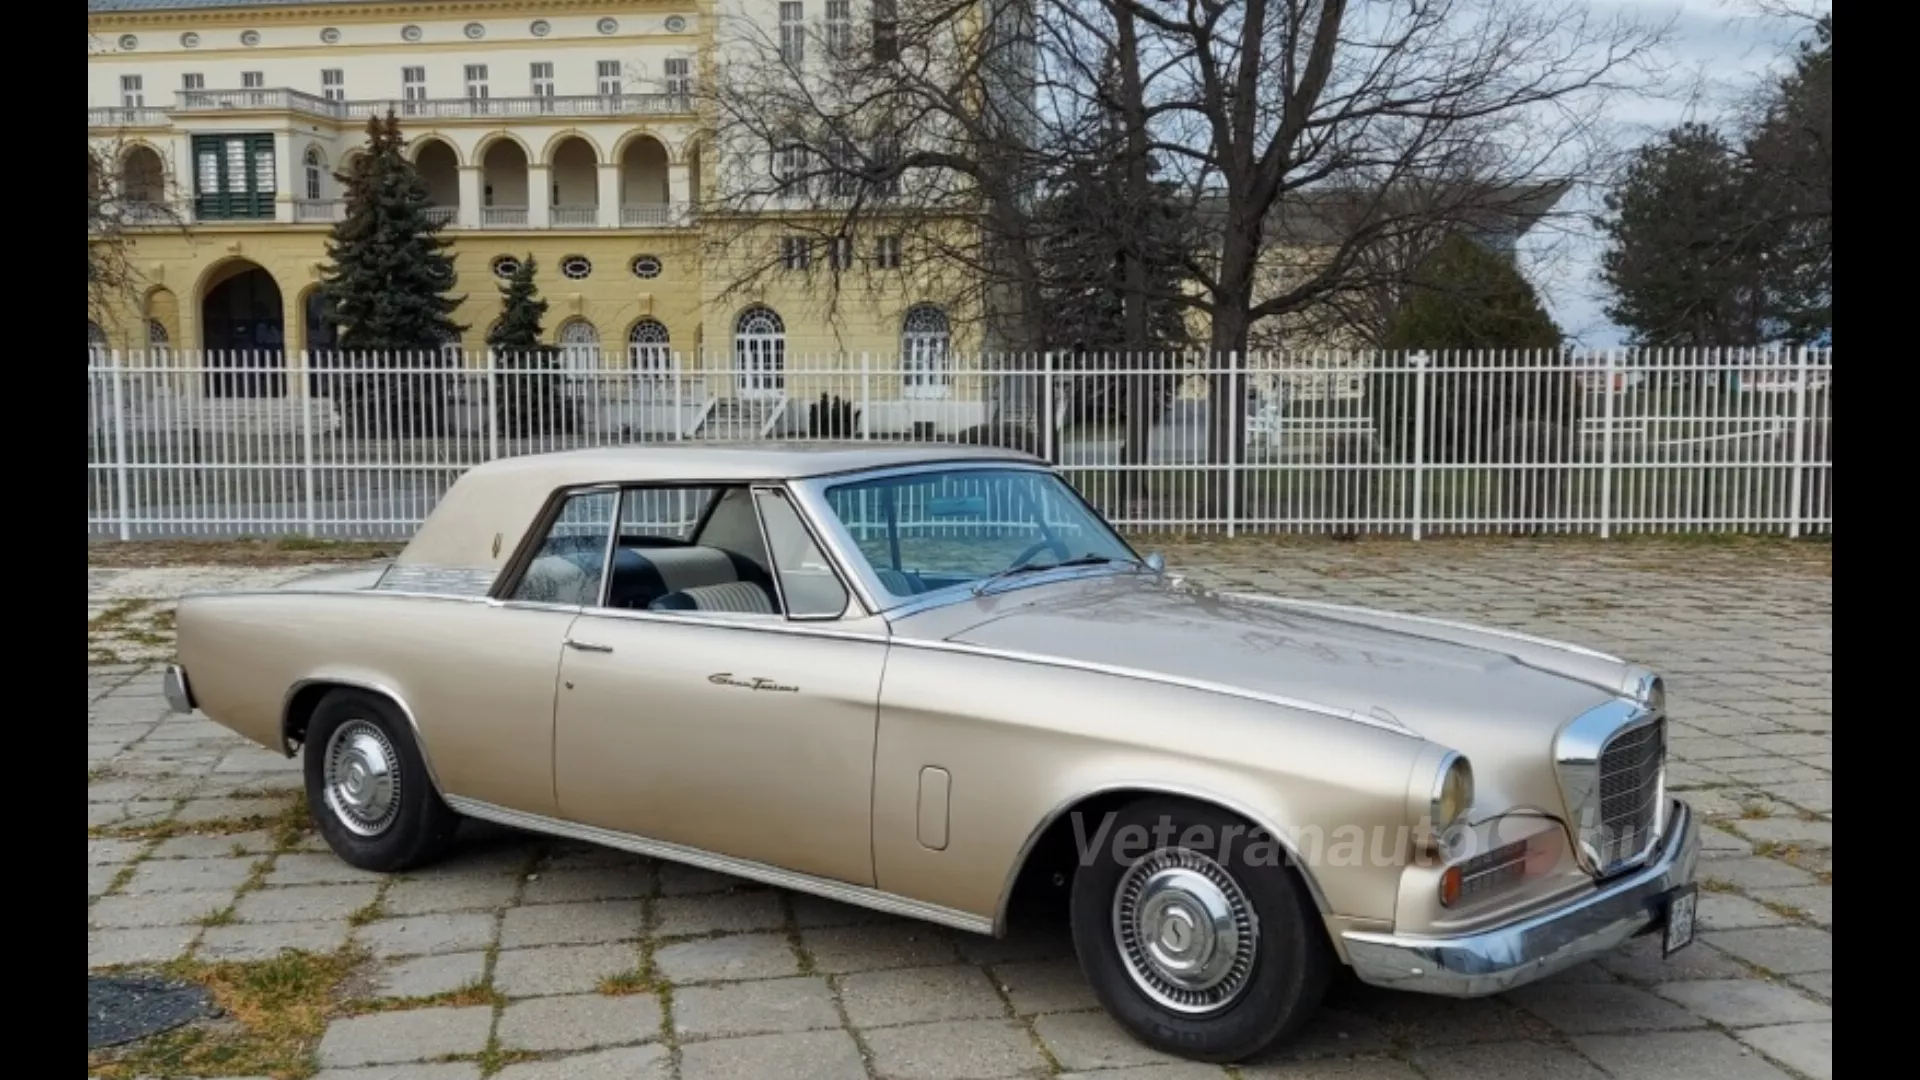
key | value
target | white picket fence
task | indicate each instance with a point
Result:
(257, 443)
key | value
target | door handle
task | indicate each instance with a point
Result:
(588, 646)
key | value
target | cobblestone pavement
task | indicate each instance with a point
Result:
(531, 959)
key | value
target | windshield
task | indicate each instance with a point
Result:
(941, 528)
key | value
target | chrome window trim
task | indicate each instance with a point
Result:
(846, 892)
(785, 491)
(1577, 750)
(811, 493)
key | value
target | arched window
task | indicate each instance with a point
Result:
(451, 354)
(316, 172)
(760, 352)
(648, 348)
(579, 345)
(157, 337)
(96, 341)
(925, 358)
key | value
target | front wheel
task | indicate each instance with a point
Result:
(1207, 945)
(367, 785)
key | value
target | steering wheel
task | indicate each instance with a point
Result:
(1059, 549)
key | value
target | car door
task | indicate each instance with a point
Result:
(747, 735)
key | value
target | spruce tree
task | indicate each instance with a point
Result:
(528, 400)
(389, 270)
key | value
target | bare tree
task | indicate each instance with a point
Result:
(128, 187)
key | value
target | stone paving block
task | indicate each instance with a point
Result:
(1727, 911)
(679, 879)
(427, 976)
(561, 969)
(1814, 795)
(741, 956)
(159, 909)
(1640, 961)
(304, 903)
(419, 1070)
(1046, 986)
(421, 934)
(1785, 950)
(1716, 842)
(224, 809)
(1737, 1003)
(104, 852)
(1426, 1020)
(229, 846)
(841, 950)
(1790, 832)
(816, 1055)
(818, 911)
(100, 879)
(1333, 1031)
(1755, 873)
(189, 875)
(1676, 1055)
(588, 923)
(728, 913)
(316, 869)
(590, 883)
(621, 1063)
(468, 892)
(1362, 1069)
(1819, 982)
(1505, 1061)
(264, 941)
(581, 1022)
(1186, 1070)
(966, 1050)
(1587, 1008)
(761, 1007)
(147, 945)
(1093, 1040)
(1807, 1048)
(255, 759)
(410, 1035)
(1033, 939)
(919, 995)
(1813, 903)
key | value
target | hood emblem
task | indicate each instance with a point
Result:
(726, 678)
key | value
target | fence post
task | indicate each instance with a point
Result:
(1794, 481)
(1046, 406)
(1237, 420)
(1606, 447)
(306, 441)
(122, 496)
(866, 395)
(679, 421)
(1418, 362)
(493, 405)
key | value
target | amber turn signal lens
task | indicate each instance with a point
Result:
(1450, 887)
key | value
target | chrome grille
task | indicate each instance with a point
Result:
(1631, 784)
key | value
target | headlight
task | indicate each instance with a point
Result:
(1452, 793)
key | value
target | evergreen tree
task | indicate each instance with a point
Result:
(529, 399)
(1466, 297)
(385, 286)
(389, 271)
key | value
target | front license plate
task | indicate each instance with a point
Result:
(1680, 905)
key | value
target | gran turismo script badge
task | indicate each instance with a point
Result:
(726, 678)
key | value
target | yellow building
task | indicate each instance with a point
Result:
(569, 131)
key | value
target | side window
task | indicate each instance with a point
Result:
(807, 581)
(666, 513)
(571, 561)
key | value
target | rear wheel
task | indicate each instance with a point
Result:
(367, 785)
(1202, 946)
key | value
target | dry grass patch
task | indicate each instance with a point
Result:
(273, 1013)
(244, 551)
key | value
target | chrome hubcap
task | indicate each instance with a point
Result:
(362, 778)
(1186, 931)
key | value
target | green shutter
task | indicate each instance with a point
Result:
(233, 176)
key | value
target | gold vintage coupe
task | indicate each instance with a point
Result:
(918, 677)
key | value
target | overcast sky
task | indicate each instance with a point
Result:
(1718, 51)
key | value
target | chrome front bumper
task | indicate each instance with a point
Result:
(1490, 961)
(174, 685)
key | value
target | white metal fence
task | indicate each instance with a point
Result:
(261, 443)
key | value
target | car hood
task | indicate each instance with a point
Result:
(1495, 696)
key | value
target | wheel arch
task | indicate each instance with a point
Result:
(1051, 843)
(305, 696)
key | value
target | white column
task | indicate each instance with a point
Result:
(679, 192)
(539, 196)
(286, 176)
(609, 196)
(471, 197)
